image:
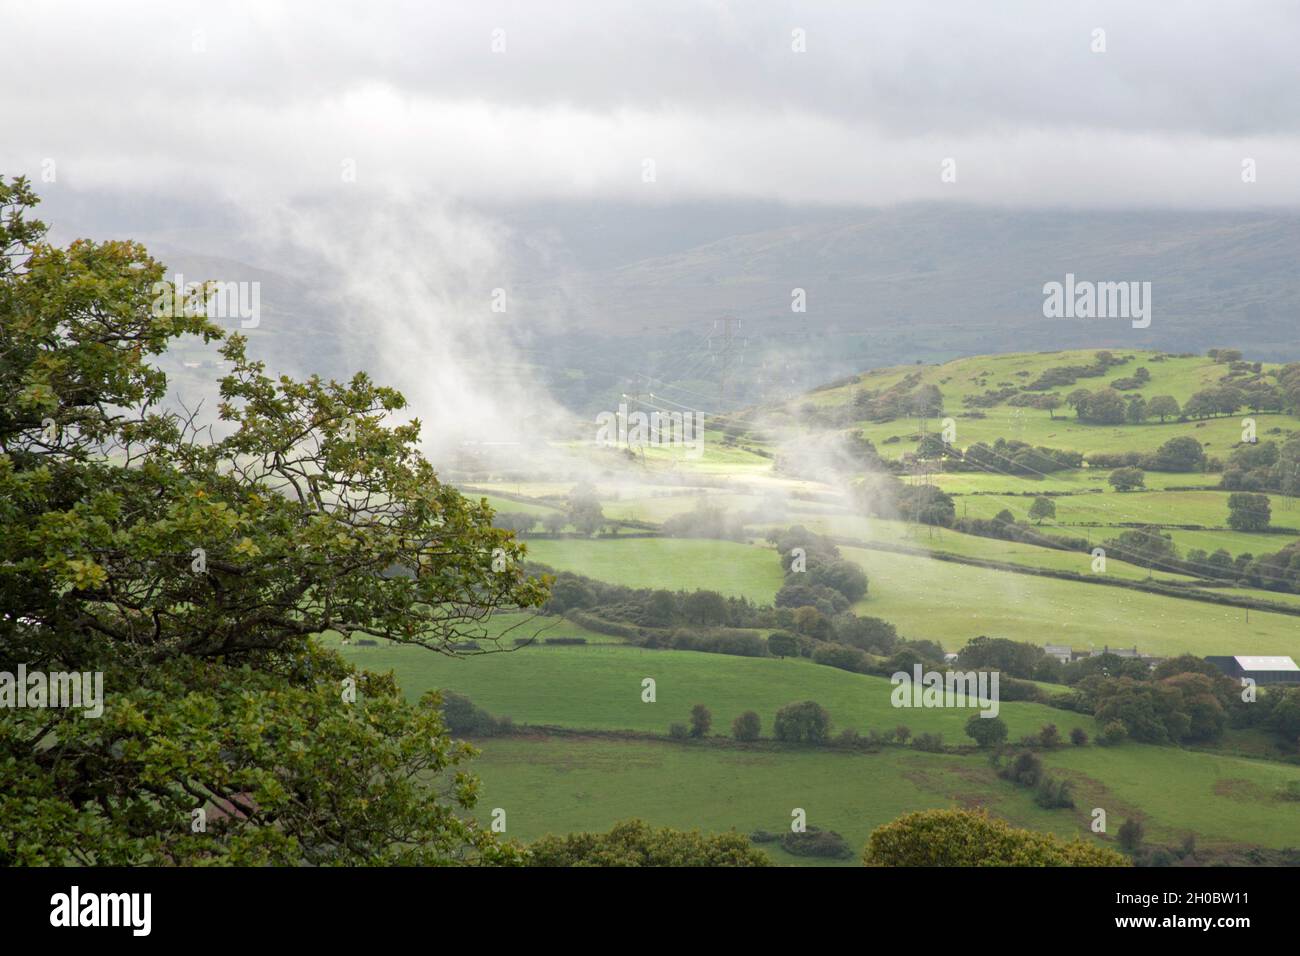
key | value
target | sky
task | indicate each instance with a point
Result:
(506, 102)
(373, 146)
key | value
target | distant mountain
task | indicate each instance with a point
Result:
(917, 282)
(614, 299)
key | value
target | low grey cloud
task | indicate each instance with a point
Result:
(247, 100)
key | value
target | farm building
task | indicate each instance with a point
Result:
(1262, 670)
(1062, 652)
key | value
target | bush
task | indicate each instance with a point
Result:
(564, 641)
(1053, 794)
(1049, 738)
(746, 727)
(679, 731)
(1113, 733)
(1079, 737)
(1247, 512)
(1026, 770)
(601, 626)
(463, 716)
(701, 720)
(815, 842)
(986, 731)
(972, 838)
(781, 644)
(930, 743)
(843, 657)
(1154, 856)
(865, 633)
(803, 722)
(1127, 479)
(734, 641)
(849, 739)
(635, 843)
(1131, 833)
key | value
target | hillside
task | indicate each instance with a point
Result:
(968, 381)
(586, 750)
(918, 282)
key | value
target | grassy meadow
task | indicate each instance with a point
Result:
(588, 751)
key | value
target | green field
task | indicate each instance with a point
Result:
(935, 600)
(605, 756)
(561, 784)
(733, 569)
(599, 688)
(1076, 481)
(1207, 508)
(946, 541)
(929, 599)
(1218, 435)
(558, 784)
(960, 378)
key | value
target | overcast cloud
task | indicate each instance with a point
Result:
(375, 147)
(271, 99)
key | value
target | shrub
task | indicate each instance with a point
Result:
(701, 720)
(1113, 733)
(1131, 833)
(1154, 856)
(930, 743)
(1049, 737)
(843, 657)
(972, 838)
(1026, 770)
(803, 722)
(1127, 479)
(601, 626)
(1079, 737)
(463, 716)
(747, 726)
(1054, 794)
(635, 843)
(815, 842)
(986, 731)
(679, 731)
(849, 739)
(1247, 512)
(739, 643)
(781, 644)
